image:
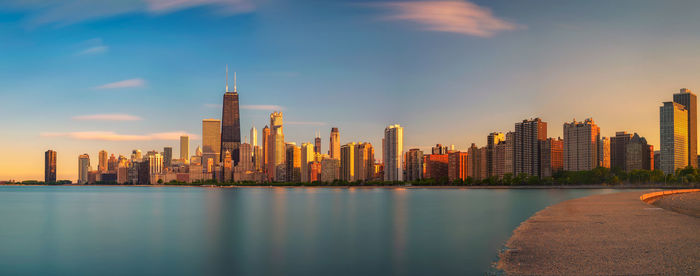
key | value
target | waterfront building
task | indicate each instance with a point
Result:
(293, 163)
(414, 165)
(639, 154)
(330, 168)
(491, 141)
(257, 158)
(245, 158)
(265, 147)
(476, 159)
(498, 163)
(136, 155)
(509, 155)
(364, 162)
(457, 165)
(112, 163)
(211, 138)
(307, 156)
(231, 122)
(392, 151)
(674, 137)
(185, 148)
(334, 145)
(552, 151)
(526, 155)
(347, 162)
(253, 137)
(581, 145)
(277, 148)
(657, 160)
(604, 152)
(83, 168)
(314, 171)
(439, 149)
(167, 157)
(618, 149)
(436, 166)
(317, 143)
(690, 102)
(102, 161)
(50, 166)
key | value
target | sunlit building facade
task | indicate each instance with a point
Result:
(392, 152)
(674, 137)
(414, 165)
(50, 166)
(581, 145)
(528, 135)
(690, 102)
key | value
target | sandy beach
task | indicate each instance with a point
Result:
(607, 234)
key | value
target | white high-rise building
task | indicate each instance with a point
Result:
(674, 137)
(83, 168)
(392, 149)
(253, 137)
(277, 147)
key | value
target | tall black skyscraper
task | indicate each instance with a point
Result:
(50, 166)
(231, 123)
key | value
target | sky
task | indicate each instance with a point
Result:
(79, 76)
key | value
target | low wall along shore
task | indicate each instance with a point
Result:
(651, 197)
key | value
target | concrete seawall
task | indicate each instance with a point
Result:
(602, 235)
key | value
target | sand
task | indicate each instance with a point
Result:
(613, 234)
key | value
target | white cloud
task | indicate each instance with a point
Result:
(123, 84)
(460, 17)
(107, 117)
(94, 50)
(113, 136)
(263, 107)
(66, 12)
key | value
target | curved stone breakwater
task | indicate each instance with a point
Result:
(604, 234)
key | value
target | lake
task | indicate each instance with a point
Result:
(73, 230)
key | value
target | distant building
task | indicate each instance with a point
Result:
(330, 169)
(50, 166)
(83, 168)
(657, 160)
(639, 154)
(674, 137)
(439, 149)
(334, 146)
(528, 135)
(167, 156)
(253, 137)
(618, 149)
(307, 156)
(457, 165)
(436, 166)
(314, 171)
(604, 152)
(491, 141)
(476, 159)
(690, 103)
(231, 122)
(185, 148)
(581, 145)
(392, 149)
(112, 163)
(347, 162)
(265, 149)
(414, 165)
(498, 159)
(277, 148)
(211, 138)
(364, 162)
(258, 158)
(293, 163)
(102, 161)
(509, 155)
(245, 162)
(552, 151)
(317, 144)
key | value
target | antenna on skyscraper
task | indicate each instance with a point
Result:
(226, 78)
(234, 83)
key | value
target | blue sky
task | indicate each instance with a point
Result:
(74, 73)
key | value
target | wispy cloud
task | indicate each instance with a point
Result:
(92, 47)
(68, 12)
(113, 136)
(107, 117)
(263, 107)
(305, 123)
(123, 84)
(460, 17)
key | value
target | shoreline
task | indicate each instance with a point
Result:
(523, 187)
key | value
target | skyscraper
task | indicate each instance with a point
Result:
(334, 146)
(674, 137)
(231, 122)
(102, 161)
(50, 166)
(551, 156)
(307, 156)
(347, 162)
(253, 136)
(604, 152)
(491, 141)
(364, 161)
(392, 151)
(690, 102)
(246, 158)
(293, 163)
(167, 156)
(317, 143)
(640, 155)
(211, 137)
(457, 165)
(618, 149)
(528, 133)
(83, 168)
(414, 165)
(581, 145)
(276, 147)
(185, 148)
(265, 147)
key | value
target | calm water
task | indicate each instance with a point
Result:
(259, 231)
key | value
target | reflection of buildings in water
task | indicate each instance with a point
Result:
(399, 200)
(279, 227)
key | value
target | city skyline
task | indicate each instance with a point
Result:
(68, 103)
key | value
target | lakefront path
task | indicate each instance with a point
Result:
(609, 234)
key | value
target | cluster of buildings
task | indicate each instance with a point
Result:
(526, 149)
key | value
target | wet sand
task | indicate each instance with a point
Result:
(603, 235)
